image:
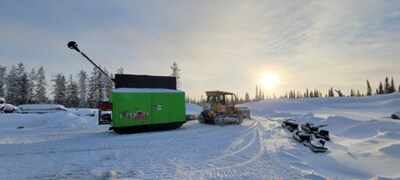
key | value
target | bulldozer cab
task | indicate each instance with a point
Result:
(221, 102)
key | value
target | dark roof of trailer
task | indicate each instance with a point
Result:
(144, 81)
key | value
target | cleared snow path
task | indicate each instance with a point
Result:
(195, 151)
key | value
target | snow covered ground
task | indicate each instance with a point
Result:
(70, 145)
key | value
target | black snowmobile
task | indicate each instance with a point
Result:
(290, 124)
(314, 129)
(301, 136)
(316, 145)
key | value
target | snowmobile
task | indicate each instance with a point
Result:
(290, 124)
(318, 145)
(314, 129)
(324, 134)
(301, 136)
(315, 145)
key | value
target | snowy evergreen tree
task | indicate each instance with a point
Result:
(92, 96)
(176, 72)
(331, 93)
(317, 94)
(306, 94)
(392, 88)
(31, 86)
(60, 89)
(386, 87)
(380, 89)
(72, 93)
(369, 90)
(107, 84)
(41, 87)
(12, 85)
(96, 88)
(120, 70)
(358, 93)
(247, 97)
(82, 88)
(23, 92)
(352, 93)
(3, 86)
(22, 85)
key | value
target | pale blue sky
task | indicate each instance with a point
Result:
(224, 45)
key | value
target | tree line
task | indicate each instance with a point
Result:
(18, 86)
(82, 90)
(386, 87)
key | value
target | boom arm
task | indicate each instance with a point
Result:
(74, 45)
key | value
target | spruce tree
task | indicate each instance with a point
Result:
(22, 85)
(176, 72)
(330, 92)
(41, 87)
(23, 92)
(387, 86)
(392, 86)
(95, 88)
(3, 70)
(72, 93)
(307, 94)
(120, 70)
(82, 84)
(108, 86)
(31, 86)
(247, 97)
(358, 93)
(380, 89)
(60, 90)
(369, 90)
(352, 93)
(11, 84)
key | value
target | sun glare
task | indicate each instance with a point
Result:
(269, 80)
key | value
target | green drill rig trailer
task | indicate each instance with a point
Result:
(141, 102)
(138, 109)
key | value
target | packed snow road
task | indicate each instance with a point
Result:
(195, 151)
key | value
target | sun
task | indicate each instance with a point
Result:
(269, 80)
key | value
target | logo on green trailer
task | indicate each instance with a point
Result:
(138, 115)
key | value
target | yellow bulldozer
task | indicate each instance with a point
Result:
(220, 108)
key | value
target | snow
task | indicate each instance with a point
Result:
(40, 108)
(193, 109)
(70, 145)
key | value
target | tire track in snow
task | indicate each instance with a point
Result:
(245, 156)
